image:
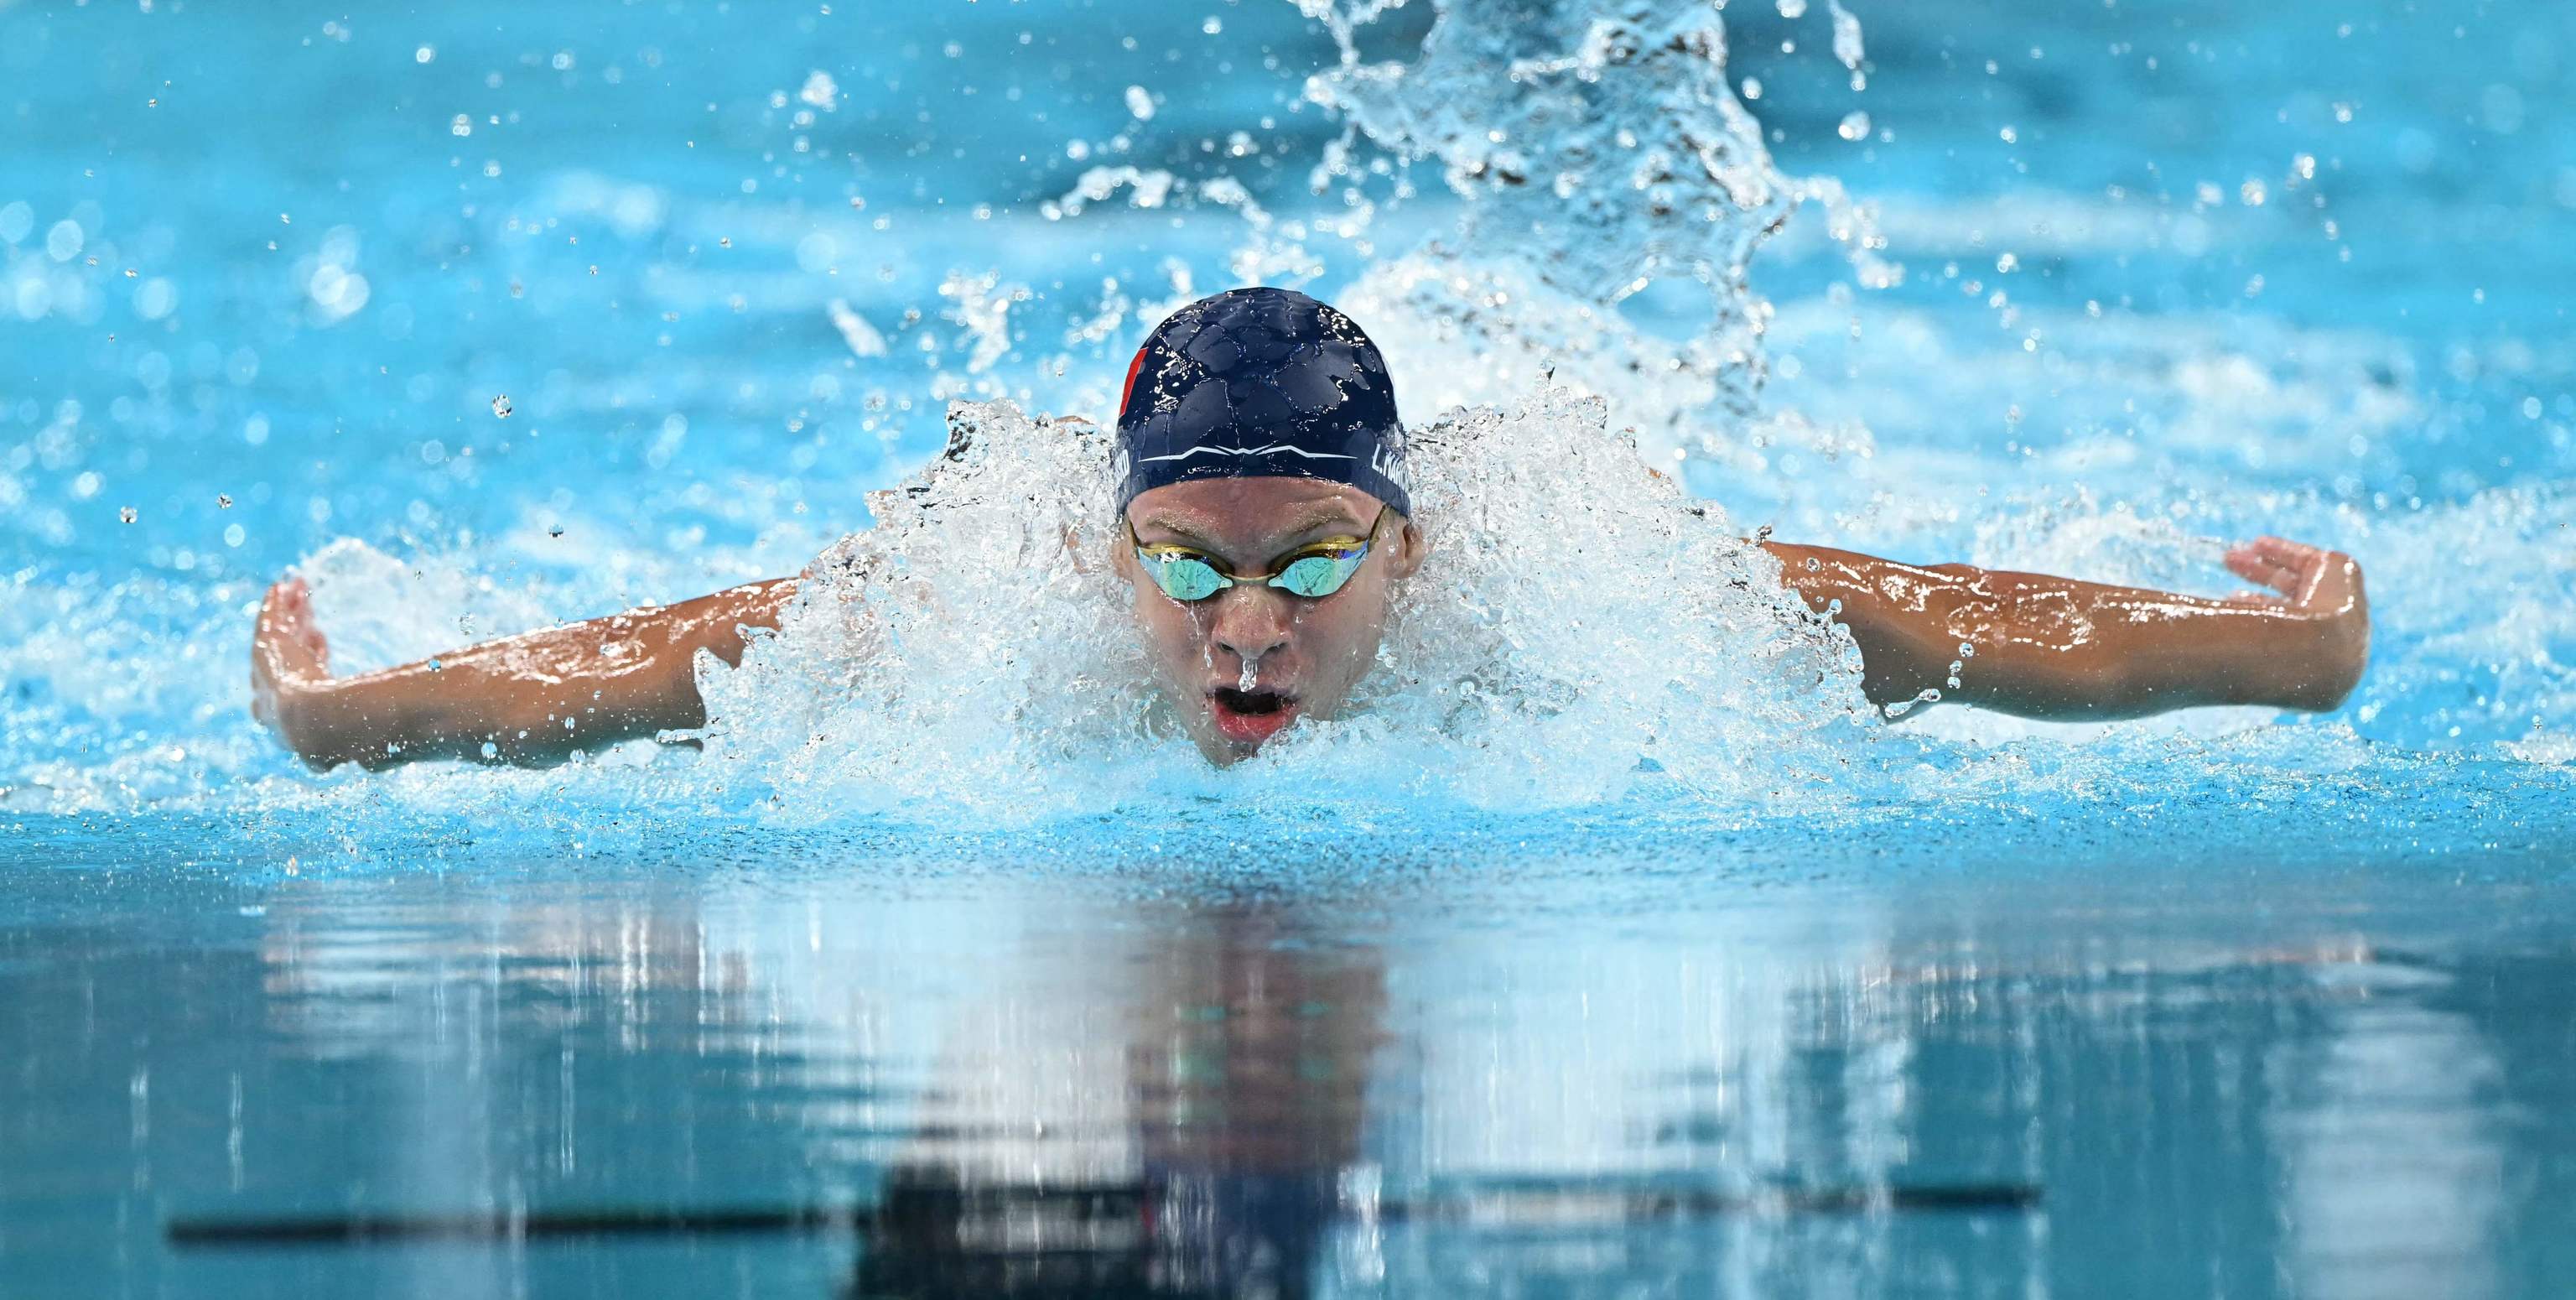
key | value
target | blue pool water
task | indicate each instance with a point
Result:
(2219, 1004)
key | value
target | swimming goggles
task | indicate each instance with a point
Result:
(1313, 572)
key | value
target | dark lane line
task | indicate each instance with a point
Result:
(1517, 1207)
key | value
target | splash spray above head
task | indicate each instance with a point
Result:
(1260, 383)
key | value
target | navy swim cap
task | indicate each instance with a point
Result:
(1260, 383)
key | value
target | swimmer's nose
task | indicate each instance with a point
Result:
(1251, 622)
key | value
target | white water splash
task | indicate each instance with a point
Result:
(963, 654)
(862, 338)
(1614, 156)
(128, 691)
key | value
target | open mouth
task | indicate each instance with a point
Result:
(1250, 717)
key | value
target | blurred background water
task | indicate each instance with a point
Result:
(2218, 1004)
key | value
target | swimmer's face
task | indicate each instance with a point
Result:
(1305, 655)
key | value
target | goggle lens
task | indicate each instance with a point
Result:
(1318, 576)
(1185, 577)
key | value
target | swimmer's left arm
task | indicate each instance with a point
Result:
(2046, 647)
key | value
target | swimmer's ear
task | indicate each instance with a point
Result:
(1410, 548)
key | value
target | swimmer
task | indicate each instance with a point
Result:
(1268, 533)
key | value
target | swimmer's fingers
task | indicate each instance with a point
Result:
(2309, 562)
(288, 646)
(2310, 577)
(290, 668)
(276, 617)
(2324, 575)
(2270, 562)
(265, 662)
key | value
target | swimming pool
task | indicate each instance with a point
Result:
(2219, 1003)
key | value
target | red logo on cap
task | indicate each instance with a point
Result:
(1129, 390)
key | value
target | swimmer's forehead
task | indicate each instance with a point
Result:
(1244, 510)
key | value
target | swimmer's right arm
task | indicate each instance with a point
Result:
(531, 700)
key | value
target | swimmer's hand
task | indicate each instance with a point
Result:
(532, 700)
(289, 664)
(2321, 591)
(2048, 647)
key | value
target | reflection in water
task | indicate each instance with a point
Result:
(458, 1087)
(1187, 1135)
(2395, 1179)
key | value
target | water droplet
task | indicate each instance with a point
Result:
(1847, 40)
(460, 125)
(424, 54)
(1855, 125)
(501, 406)
(1140, 104)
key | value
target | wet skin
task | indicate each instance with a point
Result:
(2042, 646)
(532, 700)
(2053, 648)
(1285, 656)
